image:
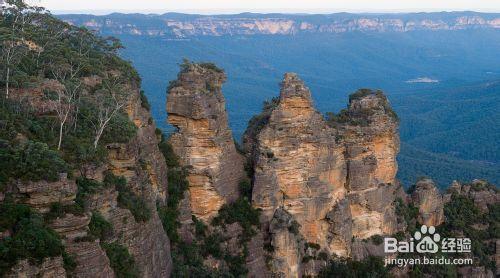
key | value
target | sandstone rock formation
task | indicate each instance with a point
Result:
(335, 180)
(481, 192)
(299, 166)
(213, 25)
(370, 131)
(204, 142)
(429, 201)
(142, 164)
(288, 245)
(50, 267)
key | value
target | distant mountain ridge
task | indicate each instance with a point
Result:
(176, 25)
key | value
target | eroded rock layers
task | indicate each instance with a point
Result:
(334, 180)
(204, 142)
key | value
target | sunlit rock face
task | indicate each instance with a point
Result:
(299, 166)
(204, 142)
(335, 180)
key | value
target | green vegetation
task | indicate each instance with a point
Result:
(86, 187)
(59, 210)
(377, 239)
(81, 76)
(30, 238)
(188, 257)
(240, 211)
(128, 199)
(144, 101)
(99, 227)
(359, 116)
(257, 123)
(361, 93)
(121, 261)
(460, 213)
(211, 66)
(371, 267)
(177, 184)
(407, 213)
(30, 161)
(245, 188)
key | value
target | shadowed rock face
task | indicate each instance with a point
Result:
(204, 142)
(372, 143)
(143, 165)
(429, 202)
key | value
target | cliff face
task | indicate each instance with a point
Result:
(372, 143)
(204, 142)
(142, 164)
(258, 24)
(334, 180)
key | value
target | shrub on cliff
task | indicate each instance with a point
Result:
(371, 267)
(86, 187)
(30, 161)
(144, 101)
(240, 211)
(121, 261)
(99, 227)
(177, 184)
(128, 199)
(258, 122)
(29, 239)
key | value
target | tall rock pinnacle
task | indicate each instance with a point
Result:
(299, 168)
(204, 142)
(372, 143)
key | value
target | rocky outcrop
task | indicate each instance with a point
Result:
(143, 165)
(480, 192)
(204, 142)
(287, 243)
(429, 201)
(298, 165)
(370, 131)
(335, 180)
(50, 267)
(40, 195)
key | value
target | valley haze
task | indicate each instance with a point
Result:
(337, 54)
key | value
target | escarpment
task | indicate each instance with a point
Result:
(204, 142)
(70, 203)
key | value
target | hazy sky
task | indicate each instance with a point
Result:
(233, 6)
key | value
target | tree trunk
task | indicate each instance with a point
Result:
(98, 136)
(60, 135)
(7, 81)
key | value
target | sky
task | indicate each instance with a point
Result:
(237, 6)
